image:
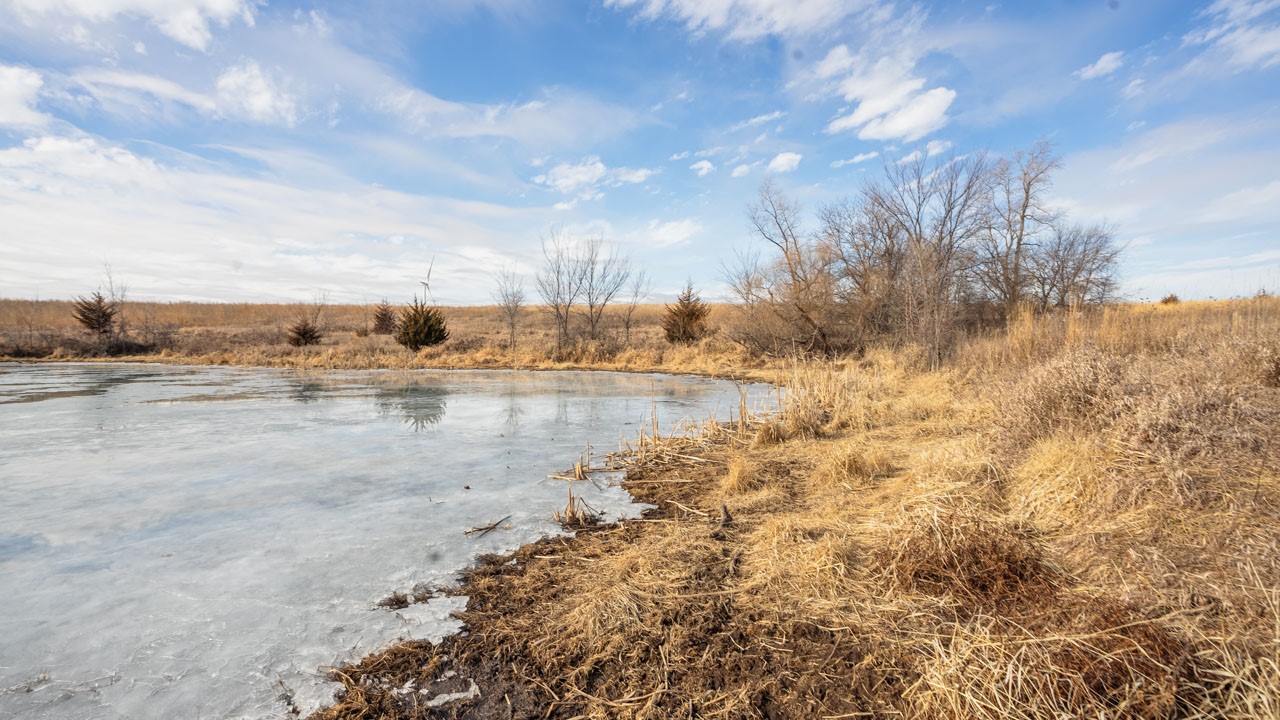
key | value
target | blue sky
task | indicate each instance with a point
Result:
(245, 150)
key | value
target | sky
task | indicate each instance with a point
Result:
(249, 150)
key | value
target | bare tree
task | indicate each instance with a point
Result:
(795, 287)
(639, 288)
(604, 274)
(1075, 265)
(870, 252)
(509, 295)
(937, 211)
(560, 281)
(1018, 215)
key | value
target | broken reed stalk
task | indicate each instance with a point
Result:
(576, 513)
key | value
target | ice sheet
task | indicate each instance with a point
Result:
(190, 542)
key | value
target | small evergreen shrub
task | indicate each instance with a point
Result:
(686, 321)
(421, 325)
(96, 313)
(304, 332)
(1170, 299)
(384, 318)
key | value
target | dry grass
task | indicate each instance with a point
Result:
(257, 335)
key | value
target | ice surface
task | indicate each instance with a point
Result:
(184, 542)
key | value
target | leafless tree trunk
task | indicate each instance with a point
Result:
(604, 273)
(510, 298)
(639, 289)
(1018, 215)
(560, 281)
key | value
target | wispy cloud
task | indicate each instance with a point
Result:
(263, 238)
(1246, 32)
(703, 168)
(859, 158)
(750, 19)
(1105, 65)
(758, 120)
(186, 21)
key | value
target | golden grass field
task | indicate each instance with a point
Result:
(1075, 517)
(254, 335)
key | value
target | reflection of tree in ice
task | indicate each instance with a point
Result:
(514, 408)
(306, 391)
(421, 405)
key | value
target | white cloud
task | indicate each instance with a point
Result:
(1134, 89)
(19, 89)
(703, 168)
(585, 179)
(140, 47)
(785, 162)
(186, 21)
(751, 19)
(891, 102)
(1104, 66)
(758, 120)
(675, 232)
(937, 147)
(244, 91)
(741, 170)
(859, 158)
(679, 156)
(1245, 32)
(913, 156)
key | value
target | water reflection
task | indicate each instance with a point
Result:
(307, 391)
(422, 404)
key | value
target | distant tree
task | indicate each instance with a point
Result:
(304, 332)
(510, 298)
(1075, 265)
(421, 325)
(96, 313)
(306, 329)
(384, 318)
(1019, 214)
(640, 287)
(604, 274)
(685, 322)
(560, 281)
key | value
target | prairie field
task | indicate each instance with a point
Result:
(1074, 515)
(256, 335)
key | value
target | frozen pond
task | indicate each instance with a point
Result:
(186, 542)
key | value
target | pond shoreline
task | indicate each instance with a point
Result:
(472, 675)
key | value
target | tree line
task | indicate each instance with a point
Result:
(938, 246)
